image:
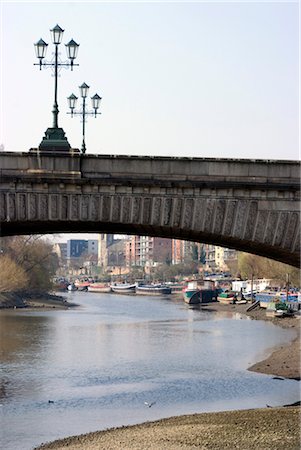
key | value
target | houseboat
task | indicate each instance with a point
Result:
(199, 291)
(176, 288)
(153, 289)
(191, 293)
(99, 288)
(123, 288)
(265, 297)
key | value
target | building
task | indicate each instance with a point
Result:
(184, 251)
(147, 250)
(210, 257)
(104, 242)
(217, 258)
(130, 251)
(93, 247)
(77, 248)
(222, 256)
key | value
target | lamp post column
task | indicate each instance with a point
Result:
(84, 88)
(84, 121)
(55, 105)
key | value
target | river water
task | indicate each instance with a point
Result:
(98, 363)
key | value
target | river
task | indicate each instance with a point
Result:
(66, 372)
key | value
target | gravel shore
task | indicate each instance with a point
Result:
(256, 429)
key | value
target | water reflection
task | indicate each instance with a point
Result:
(21, 335)
(99, 363)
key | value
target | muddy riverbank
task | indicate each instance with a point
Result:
(46, 300)
(257, 429)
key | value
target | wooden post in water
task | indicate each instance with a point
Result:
(252, 277)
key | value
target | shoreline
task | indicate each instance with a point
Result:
(284, 360)
(33, 300)
(252, 429)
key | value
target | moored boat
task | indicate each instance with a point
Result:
(82, 285)
(153, 289)
(176, 288)
(199, 291)
(291, 299)
(226, 298)
(191, 293)
(99, 288)
(60, 285)
(123, 288)
(265, 298)
(278, 309)
(72, 287)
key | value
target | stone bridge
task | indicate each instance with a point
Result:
(249, 205)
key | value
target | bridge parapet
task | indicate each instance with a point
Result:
(150, 168)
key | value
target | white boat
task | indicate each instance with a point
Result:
(241, 302)
(99, 287)
(123, 288)
(226, 298)
(71, 287)
(153, 289)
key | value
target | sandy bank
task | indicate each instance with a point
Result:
(257, 429)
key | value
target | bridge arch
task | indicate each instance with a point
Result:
(253, 206)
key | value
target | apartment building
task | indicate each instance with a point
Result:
(217, 257)
(104, 242)
(147, 250)
(184, 250)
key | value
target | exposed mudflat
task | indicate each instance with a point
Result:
(257, 429)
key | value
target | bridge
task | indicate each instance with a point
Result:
(249, 205)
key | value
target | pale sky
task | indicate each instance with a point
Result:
(203, 79)
(200, 79)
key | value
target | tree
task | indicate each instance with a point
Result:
(34, 256)
(13, 276)
(261, 267)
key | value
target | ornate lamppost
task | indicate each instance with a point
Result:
(72, 99)
(55, 137)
